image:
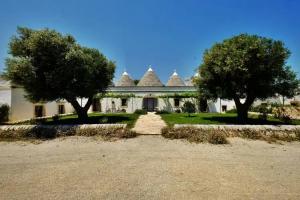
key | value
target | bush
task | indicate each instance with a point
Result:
(4, 112)
(140, 111)
(55, 118)
(216, 137)
(232, 111)
(162, 112)
(295, 103)
(282, 114)
(188, 107)
(195, 135)
(263, 112)
(51, 132)
(219, 136)
(177, 111)
(262, 108)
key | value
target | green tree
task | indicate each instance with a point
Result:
(188, 107)
(51, 66)
(245, 68)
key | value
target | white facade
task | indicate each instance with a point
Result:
(22, 109)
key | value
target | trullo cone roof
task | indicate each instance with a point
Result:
(175, 80)
(125, 80)
(150, 79)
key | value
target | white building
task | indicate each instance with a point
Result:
(150, 94)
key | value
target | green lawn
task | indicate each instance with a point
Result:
(215, 118)
(97, 118)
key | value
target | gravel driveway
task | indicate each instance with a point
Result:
(148, 167)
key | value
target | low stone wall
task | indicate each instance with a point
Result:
(242, 127)
(62, 127)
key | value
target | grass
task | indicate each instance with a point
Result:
(217, 118)
(94, 118)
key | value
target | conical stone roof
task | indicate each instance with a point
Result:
(150, 79)
(125, 80)
(175, 80)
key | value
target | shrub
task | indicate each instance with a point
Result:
(188, 107)
(140, 111)
(195, 135)
(4, 112)
(295, 103)
(232, 111)
(263, 112)
(263, 107)
(162, 112)
(123, 110)
(55, 118)
(217, 137)
(177, 111)
(43, 132)
(282, 114)
(103, 120)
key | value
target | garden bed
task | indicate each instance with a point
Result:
(44, 132)
(218, 134)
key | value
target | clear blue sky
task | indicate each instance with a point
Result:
(166, 34)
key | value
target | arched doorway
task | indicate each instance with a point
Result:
(149, 104)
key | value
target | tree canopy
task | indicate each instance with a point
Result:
(51, 66)
(245, 68)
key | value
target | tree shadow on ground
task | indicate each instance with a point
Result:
(90, 120)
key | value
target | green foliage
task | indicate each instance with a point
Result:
(231, 111)
(159, 112)
(181, 95)
(246, 67)
(52, 66)
(4, 112)
(188, 107)
(140, 111)
(55, 117)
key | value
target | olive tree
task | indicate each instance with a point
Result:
(51, 66)
(245, 68)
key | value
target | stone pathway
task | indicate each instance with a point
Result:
(150, 124)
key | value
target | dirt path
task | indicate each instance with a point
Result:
(149, 167)
(150, 124)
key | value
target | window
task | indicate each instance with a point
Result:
(176, 102)
(224, 108)
(39, 111)
(123, 102)
(61, 109)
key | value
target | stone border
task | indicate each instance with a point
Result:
(67, 126)
(242, 127)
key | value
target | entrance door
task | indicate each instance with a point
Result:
(149, 104)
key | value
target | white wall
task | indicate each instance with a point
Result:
(22, 109)
(5, 97)
(216, 106)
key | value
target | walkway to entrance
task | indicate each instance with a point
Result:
(150, 124)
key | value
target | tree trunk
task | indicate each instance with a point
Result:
(242, 109)
(81, 111)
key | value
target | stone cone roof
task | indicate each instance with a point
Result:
(150, 79)
(125, 80)
(175, 80)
